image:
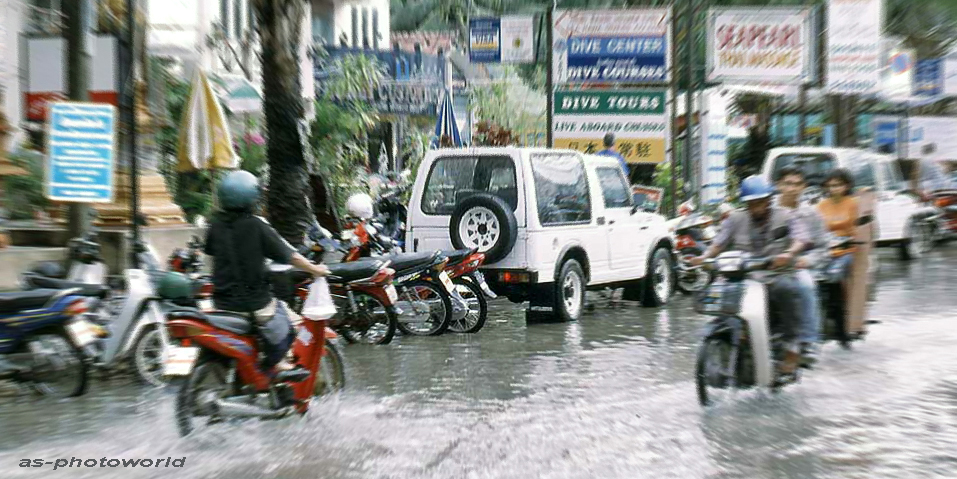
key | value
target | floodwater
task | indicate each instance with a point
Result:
(611, 396)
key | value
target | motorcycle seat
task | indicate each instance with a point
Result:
(347, 272)
(404, 262)
(85, 289)
(25, 300)
(456, 256)
(233, 322)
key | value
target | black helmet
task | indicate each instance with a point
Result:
(239, 190)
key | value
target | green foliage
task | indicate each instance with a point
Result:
(662, 179)
(338, 134)
(23, 195)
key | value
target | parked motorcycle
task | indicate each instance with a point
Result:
(225, 380)
(131, 312)
(364, 296)
(693, 236)
(188, 260)
(42, 336)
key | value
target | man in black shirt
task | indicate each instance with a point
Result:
(239, 243)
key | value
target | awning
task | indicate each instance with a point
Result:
(237, 93)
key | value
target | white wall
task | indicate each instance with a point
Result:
(343, 21)
(12, 16)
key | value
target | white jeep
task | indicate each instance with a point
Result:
(552, 224)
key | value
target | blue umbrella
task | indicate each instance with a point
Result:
(446, 125)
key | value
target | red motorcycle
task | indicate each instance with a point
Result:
(226, 380)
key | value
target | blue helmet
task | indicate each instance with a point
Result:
(239, 190)
(755, 188)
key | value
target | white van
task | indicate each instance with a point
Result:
(552, 224)
(900, 214)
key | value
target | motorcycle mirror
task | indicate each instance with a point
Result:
(781, 232)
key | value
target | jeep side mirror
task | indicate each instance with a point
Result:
(635, 209)
(865, 220)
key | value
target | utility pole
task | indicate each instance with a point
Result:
(549, 77)
(78, 16)
(128, 112)
(673, 111)
(689, 93)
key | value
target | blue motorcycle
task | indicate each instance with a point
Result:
(43, 335)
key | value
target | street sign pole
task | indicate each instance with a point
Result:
(129, 113)
(549, 78)
(78, 71)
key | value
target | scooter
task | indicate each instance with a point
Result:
(42, 337)
(739, 350)
(224, 379)
(463, 267)
(132, 313)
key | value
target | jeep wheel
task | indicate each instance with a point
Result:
(919, 241)
(570, 292)
(659, 280)
(485, 222)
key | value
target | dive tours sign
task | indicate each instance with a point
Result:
(638, 118)
(854, 46)
(765, 44)
(611, 46)
(81, 152)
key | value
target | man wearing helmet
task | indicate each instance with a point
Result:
(239, 243)
(771, 231)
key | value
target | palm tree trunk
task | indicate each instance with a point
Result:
(279, 23)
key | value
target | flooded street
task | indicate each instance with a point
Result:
(611, 396)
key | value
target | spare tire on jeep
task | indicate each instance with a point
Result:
(485, 222)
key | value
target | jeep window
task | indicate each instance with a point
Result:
(815, 166)
(863, 171)
(455, 178)
(561, 188)
(893, 179)
(613, 188)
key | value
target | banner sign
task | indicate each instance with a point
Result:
(80, 150)
(485, 35)
(612, 46)
(518, 39)
(714, 146)
(929, 77)
(853, 46)
(403, 98)
(638, 118)
(775, 45)
(928, 137)
(46, 74)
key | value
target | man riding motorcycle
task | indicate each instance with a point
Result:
(791, 183)
(239, 243)
(758, 230)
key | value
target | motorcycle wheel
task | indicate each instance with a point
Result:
(478, 307)
(713, 384)
(148, 358)
(332, 372)
(372, 323)
(205, 383)
(60, 370)
(689, 284)
(440, 308)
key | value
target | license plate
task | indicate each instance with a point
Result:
(446, 281)
(206, 305)
(179, 360)
(82, 331)
(391, 293)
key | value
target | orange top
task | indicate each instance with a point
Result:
(840, 217)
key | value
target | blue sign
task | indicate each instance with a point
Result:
(885, 135)
(636, 59)
(81, 152)
(485, 40)
(929, 77)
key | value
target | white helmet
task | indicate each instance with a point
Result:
(360, 206)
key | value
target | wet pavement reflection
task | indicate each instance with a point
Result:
(610, 396)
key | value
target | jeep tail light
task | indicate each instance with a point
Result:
(510, 277)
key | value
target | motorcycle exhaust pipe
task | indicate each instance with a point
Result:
(229, 408)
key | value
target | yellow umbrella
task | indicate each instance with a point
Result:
(204, 139)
